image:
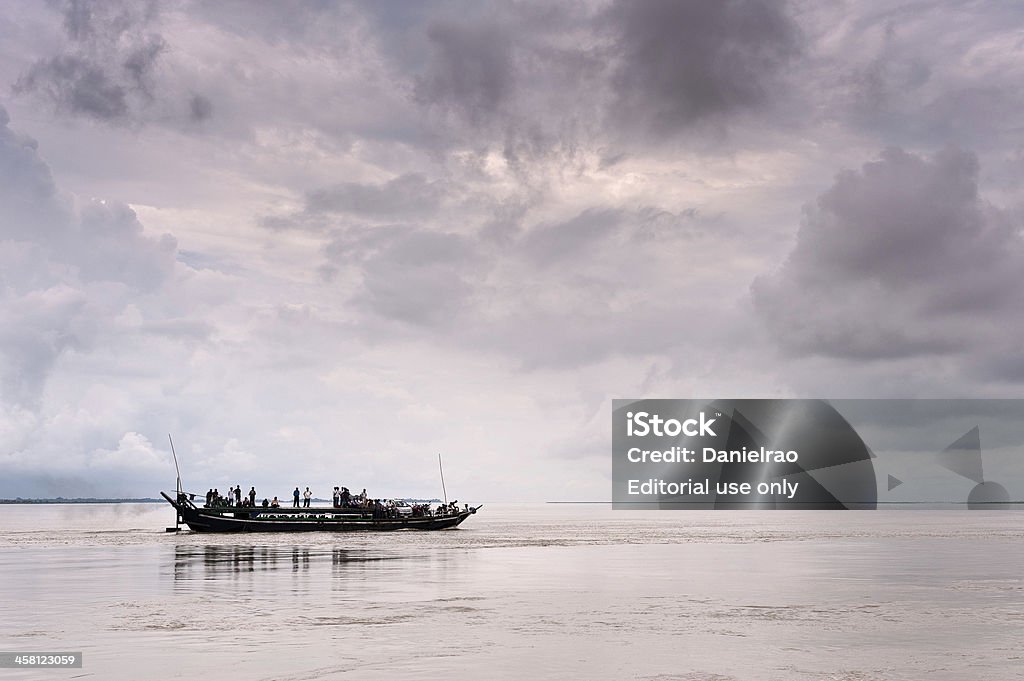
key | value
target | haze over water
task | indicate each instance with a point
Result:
(531, 591)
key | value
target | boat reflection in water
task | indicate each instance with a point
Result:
(218, 561)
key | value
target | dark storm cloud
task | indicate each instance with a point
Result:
(139, 61)
(471, 69)
(106, 71)
(681, 63)
(65, 272)
(545, 80)
(898, 259)
(76, 86)
(31, 207)
(505, 76)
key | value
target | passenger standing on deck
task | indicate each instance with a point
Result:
(209, 497)
(306, 497)
(252, 495)
(238, 495)
(295, 494)
(337, 497)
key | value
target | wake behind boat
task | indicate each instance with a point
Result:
(328, 519)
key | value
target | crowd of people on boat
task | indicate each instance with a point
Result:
(389, 508)
(233, 498)
(451, 508)
(342, 498)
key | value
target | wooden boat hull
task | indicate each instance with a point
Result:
(303, 520)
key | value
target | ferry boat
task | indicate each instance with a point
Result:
(329, 519)
(227, 518)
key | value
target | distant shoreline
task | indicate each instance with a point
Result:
(82, 500)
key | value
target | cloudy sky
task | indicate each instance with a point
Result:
(321, 242)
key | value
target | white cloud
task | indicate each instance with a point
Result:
(134, 454)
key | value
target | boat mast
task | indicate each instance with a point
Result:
(442, 478)
(176, 469)
(177, 495)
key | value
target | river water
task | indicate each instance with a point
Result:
(539, 591)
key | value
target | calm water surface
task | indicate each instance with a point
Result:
(529, 591)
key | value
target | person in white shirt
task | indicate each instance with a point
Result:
(307, 495)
